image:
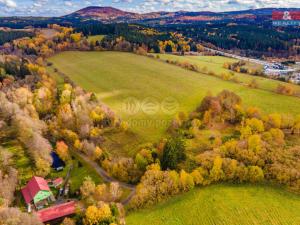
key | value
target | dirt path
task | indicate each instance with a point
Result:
(107, 178)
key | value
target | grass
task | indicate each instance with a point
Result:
(95, 38)
(56, 76)
(215, 64)
(21, 161)
(80, 170)
(117, 77)
(223, 205)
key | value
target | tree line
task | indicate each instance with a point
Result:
(8, 36)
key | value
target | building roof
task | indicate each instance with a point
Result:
(58, 181)
(35, 185)
(57, 211)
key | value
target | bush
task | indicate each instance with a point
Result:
(285, 90)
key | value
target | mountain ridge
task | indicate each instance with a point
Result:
(110, 14)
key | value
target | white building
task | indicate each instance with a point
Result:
(278, 70)
(295, 78)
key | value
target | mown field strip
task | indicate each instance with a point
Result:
(224, 205)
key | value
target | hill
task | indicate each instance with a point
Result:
(224, 204)
(110, 14)
(119, 78)
(103, 13)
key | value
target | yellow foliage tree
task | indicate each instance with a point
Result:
(254, 143)
(75, 37)
(97, 215)
(97, 153)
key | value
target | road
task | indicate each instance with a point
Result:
(246, 59)
(257, 61)
(107, 178)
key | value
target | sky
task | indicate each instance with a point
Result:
(63, 7)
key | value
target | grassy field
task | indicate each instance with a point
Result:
(80, 170)
(95, 38)
(21, 160)
(215, 64)
(224, 205)
(148, 93)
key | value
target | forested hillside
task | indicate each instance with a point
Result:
(7, 36)
(249, 39)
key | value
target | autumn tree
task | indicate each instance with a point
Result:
(186, 181)
(68, 221)
(100, 214)
(285, 90)
(256, 174)
(87, 188)
(13, 216)
(62, 150)
(8, 179)
(217, 173)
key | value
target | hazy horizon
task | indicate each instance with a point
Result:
(62, 7)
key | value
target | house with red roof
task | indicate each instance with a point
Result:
(37, 192)
(57, 211)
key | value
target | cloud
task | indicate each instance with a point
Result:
(68, 3)
(210, 5)
(122, 1)
(8, 3)
(62, 7)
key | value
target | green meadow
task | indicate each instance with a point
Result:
(224, 204)
(148, 93)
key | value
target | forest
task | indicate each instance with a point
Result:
(7, 36)
(251, 40)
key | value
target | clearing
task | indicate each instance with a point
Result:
(148, 93)
(95, 38)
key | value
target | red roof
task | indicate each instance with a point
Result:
(58, 181)
(35, 185)
(57, 211)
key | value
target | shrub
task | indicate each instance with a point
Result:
(285, 90)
